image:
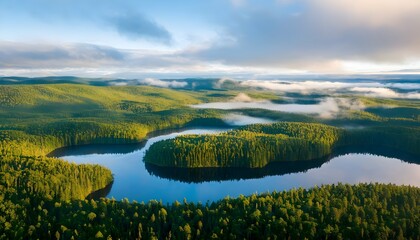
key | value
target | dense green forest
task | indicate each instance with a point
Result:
(260, 144)
(51, 178)
(250, 146)
(38, 118)
(402, 138)
(43, 198)
(365, 211)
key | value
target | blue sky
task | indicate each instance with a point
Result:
(232, 38)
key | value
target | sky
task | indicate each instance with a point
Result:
(217, 38)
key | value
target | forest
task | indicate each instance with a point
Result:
(255, 146)
(44, 197)
(250, 146)
(364, 211)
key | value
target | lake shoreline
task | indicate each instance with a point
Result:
(104, 148)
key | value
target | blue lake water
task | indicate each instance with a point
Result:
(133, 180)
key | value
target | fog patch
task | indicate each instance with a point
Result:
(327, 108)
(242, 97)
(333, 107)
(234, 119)
(159, 83)
(118, 83)
(405, 86)
(384, 93)
(219, 83)
(372, 89)
(293, 86)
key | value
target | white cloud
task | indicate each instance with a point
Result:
(374, 89)
(329, 107)
(304, 87)
(322, 36)
(160, 83)
(384, 92)
(407, 86)
(372, 12)
(241, 120)
(119, 83)
(220, 82)
(318, 36)
(376, 92)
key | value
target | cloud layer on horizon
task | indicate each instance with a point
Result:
(31, 55)
(246, 37)
(372, 89)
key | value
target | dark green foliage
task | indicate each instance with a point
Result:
(251, 146)
(406, 139)
(396, 112)
(51, 178)
(43, 137)
(365, 211)
(40, 198)
(259, 144)
(309, 131)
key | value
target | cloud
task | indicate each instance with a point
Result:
(372, 12)
(136, 26)
(219, 83)
(303, 86)
(118, 83)
(327, 108)
(333, 107)
(241, 120)
(373, 89)
(384, 93)
(43, 58)
(320, 35)
(31, 55)
(315, 36)
(407, 86)
(160, 83)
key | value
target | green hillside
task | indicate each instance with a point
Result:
(43, 198)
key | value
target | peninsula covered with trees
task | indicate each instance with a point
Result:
(255, 146)
(251, 146)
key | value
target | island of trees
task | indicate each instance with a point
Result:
(255, 146)
(251, 146)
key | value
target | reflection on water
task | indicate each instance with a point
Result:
(96, 148)
(200, 175)
(135, 181)
(101, 192)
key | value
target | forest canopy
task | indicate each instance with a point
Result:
(44, 198)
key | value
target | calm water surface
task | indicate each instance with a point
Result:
(133, 180)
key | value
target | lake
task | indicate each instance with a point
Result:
(136, 181)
